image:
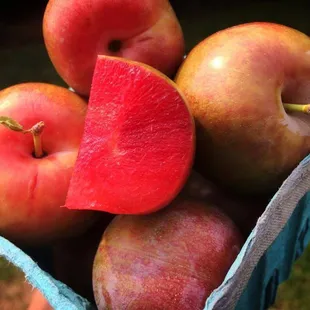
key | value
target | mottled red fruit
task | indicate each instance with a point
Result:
(76, 31)
(138, 144)
(32, 190)
(171, 259)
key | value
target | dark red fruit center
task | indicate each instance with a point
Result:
(44, 155)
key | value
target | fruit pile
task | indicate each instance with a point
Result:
(148, 173)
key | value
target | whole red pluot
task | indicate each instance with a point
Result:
(171, 259)
(32, 190)
(241, 83)
(76, 31)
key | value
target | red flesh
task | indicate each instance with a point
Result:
(138, 143)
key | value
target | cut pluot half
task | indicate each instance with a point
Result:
(138, 143)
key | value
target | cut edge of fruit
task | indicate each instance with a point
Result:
(187, 172)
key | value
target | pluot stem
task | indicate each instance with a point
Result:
(35, 130)
(293, 107)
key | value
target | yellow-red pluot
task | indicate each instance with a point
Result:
(239, 82)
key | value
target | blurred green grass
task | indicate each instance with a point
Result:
(293, 294)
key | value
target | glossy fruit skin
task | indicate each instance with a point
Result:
(32, 190)
(138, 144)
(171, 259)
(76, 31)
(235, 82)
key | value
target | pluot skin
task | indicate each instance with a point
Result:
(138, 144)
(236, 82)
(32, 190)
(171, 259)
(76, 31)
